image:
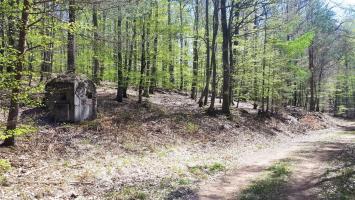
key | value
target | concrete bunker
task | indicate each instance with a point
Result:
(71, 98)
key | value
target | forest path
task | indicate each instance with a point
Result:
(310, 157)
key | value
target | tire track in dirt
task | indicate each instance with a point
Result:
(309, 155)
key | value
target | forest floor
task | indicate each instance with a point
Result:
(166, 148)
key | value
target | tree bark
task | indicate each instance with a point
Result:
(12, 119)
(264, 62)
(71, 38)
(143, 63)
(130, 59)
(312, 85)
(96, 61)
(195, 52)
(204, 94)
(225, 59)
(126, 58)
(120, 84)
(2, 37)
(102, 66)
(147, 67)
(171, 62)
(181, 46)
(211, 109)
(153, 78)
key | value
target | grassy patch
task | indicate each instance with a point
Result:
(270, 186)
(205, 170)
(216, 167)
(127, 193)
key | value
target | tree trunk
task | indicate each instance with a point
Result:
(12, 119)
(264, 62)
(225, 59)
(126, 58)
(120, 84)
(2, 37)
(195, 53)
(312, 85)
(71, 37)
(181, 47)
(231, 54)
(130, 59)
(204, 94)
(171, 62)
(255, 81)
(153, 78)
(147, 67)
(143, 64)
(102, 66)
(211, 109)
(96, 62)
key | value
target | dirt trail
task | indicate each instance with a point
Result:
(309, 155)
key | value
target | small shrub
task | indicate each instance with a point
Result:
(216, 167)
(192, 128)
(184, 181)
(203, 171)
(5, 166)
(21, 130)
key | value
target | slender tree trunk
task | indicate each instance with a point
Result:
(204, 94)
(96, 61)
(12, 119)
(231, 54)
(11, 31)
(71, 37)
(171, 62)
(225, 59)
(319, 89)
(143, 63)
(264, 63)
(147, 67)
(130, 59)
(103, 43)
(126, 60)
(120, 82)
(255, 79)
(181, 47)
(153, 78)
(312, 103)
(195, 53)
(235, 55)
(2, 37)
(211, 109)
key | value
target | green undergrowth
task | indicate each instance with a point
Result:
(5, 166)
(165, 189)
(19, 131)
(203, 171)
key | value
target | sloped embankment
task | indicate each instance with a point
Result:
(162, 148)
